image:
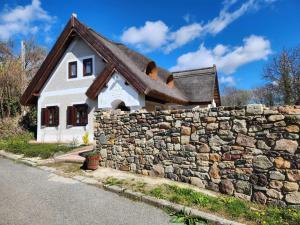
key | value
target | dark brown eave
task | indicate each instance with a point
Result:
(85, 34)
(100, 81)
(167, 98)
(38, 81)
(75, 28)
(72, 29)
(217, 89)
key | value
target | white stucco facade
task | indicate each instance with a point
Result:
(61, 91)
(118, 90)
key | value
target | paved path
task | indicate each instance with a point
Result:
(30, 196)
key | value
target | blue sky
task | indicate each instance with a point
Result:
(238, 36)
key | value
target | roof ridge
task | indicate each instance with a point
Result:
(189, 70)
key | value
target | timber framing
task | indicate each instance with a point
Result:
(100, 81)
(117, 60)
(74, 28)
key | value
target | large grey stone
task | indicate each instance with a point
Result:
(164, 125)
(290, 186)
(226, 187)
(244, 140)
(286, 145)
(157, 170)
(276, 175)
(203, 148)
(293, 198)
(240, 126)
(216, 141)
(262, 162)
(262, 145)
(197, 182)
(260, 197)
(149, 134)
(256, 109)
(274, 118)
(274, 194)
(243, 187)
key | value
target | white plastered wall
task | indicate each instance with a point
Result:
(118, 90)
(63, 92)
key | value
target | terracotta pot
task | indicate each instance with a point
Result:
(92, 162)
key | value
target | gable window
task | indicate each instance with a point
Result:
(77, 115)
(87, 67)
(50, 116)
(72, 70)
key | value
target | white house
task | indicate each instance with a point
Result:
(85, 71)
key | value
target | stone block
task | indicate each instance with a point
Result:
(255, 109)
(246, 141)
(293, 198)
(286, 145)
(226, 187)
(262, 162)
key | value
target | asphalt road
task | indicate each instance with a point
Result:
(30, 196)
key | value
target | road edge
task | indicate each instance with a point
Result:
(136, 196)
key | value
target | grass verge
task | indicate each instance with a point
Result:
(228, 207)
(20, 145)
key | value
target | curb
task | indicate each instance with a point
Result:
(137, 196)
(161, 203)
(10, 156)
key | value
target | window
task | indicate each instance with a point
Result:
(72, 70)
(50, 116)
(87, 67)
(77, 115)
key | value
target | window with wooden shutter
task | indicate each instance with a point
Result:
(77, 115)
(72, 70)
(53, 116)
(87, 67)
(50, 116)
(71, 111)
(56, 116)
(43, 117)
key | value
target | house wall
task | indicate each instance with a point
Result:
(116, 91)
(62, 91)
(250, 152)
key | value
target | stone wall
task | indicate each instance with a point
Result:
(250, 152)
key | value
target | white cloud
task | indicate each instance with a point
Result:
(228, 80)
(183, 35)
(157, 35)
(24, 20)
(225, 18)
(150, 36)
(227, 58)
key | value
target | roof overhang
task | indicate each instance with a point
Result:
(75, 28)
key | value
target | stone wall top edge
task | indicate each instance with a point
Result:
(251, 109)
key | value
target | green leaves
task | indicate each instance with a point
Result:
(185, 217)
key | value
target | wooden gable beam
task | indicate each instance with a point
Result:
(47, 66)
(93, 91)
(98, 46)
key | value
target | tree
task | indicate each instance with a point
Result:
(283, 76)
(34, 57)
(235, 97)
(266, 95)
(16, 74)
(10, 80)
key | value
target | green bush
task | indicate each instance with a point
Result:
(19, 144)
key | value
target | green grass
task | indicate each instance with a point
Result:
(229, 207)
(20, 145)
(114, 181)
